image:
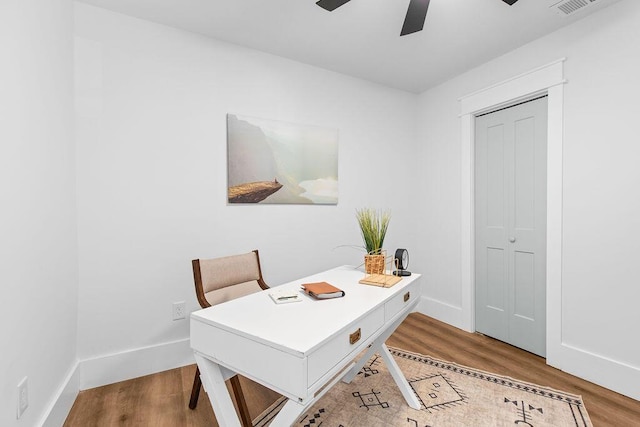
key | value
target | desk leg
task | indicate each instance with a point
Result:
(292, 410)
(289, 413)
(349, 376)
(374, 347)
(378, 345)
(401, 381)
(213, 381)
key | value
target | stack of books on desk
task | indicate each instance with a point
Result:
(322, 290)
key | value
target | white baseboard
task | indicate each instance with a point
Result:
(109, 369)
(442, 311)
(606, 372)
(61, 403)
(134, 363)
(112, 368)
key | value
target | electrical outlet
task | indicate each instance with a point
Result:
(178, 310)
(23, 397)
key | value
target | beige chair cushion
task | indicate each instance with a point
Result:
(221, 273)
(232, 292)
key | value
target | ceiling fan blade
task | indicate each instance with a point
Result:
(331, 5)
(510, 2)
(416, 14)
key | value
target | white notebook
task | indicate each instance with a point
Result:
(285, 296)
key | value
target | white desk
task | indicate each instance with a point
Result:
(300, 349)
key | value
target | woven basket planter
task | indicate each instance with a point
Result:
(374, 264)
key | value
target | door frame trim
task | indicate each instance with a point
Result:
(547, 79)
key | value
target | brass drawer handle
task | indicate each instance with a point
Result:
(407, 296)
(355, 337)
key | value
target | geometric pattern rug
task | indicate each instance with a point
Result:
(451, 395)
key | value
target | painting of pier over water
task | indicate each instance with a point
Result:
(276, 162)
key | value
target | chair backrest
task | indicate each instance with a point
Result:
(223, 279)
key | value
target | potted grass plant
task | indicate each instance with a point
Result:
(373, 227)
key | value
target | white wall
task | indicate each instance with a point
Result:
(151, 123)
(151, 171)
(38, 246)
(601, 207)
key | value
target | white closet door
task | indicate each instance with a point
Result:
(510, 224)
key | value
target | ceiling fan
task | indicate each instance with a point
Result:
(413, 22)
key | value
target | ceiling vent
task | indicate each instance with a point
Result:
(569, 7)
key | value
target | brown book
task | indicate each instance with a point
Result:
(322, 290)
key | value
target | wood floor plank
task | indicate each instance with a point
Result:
(162, 399)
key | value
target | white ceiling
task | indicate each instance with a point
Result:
(362, 38)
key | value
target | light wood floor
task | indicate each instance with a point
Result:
(161, 399)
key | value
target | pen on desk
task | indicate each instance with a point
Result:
(289, 297)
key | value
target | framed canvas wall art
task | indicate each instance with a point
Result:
(269, 161)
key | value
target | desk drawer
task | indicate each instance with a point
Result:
(400, 301)
(343, 344)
